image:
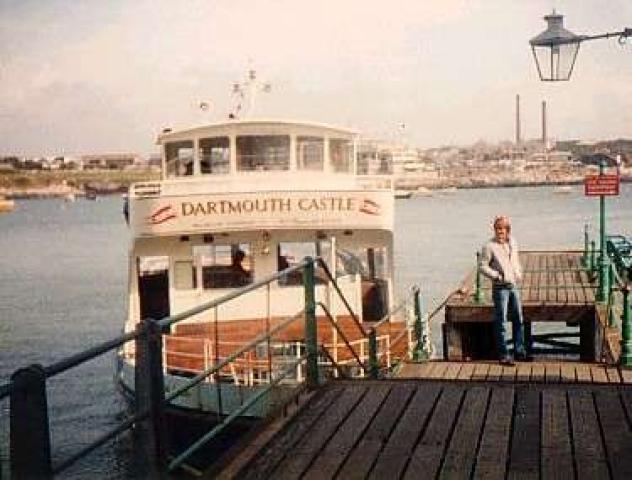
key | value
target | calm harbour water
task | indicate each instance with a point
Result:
(63, 275)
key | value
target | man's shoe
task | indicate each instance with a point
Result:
(507, 361)
(524, 357)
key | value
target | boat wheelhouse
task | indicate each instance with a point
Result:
(239, 201)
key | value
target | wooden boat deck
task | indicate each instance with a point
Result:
(438, 429)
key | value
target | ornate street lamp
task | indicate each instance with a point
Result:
(556, 48)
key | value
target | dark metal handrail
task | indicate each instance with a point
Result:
(344, 337)
(216, 368)
(322, 263)
(149, 335)
(229, 419)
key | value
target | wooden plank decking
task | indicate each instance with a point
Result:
(522, 372)
(550, 278)
(437, 429)
(555, 288)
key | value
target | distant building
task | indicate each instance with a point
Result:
(109, 161)
(596, 158)
(554, 156)
(374, 158)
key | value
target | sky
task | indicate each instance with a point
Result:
(91, 76)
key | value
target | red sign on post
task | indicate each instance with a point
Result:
(596, 185)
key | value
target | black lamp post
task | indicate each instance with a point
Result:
(556, 48)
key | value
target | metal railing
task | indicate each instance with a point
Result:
(619, 249)
(30, 443)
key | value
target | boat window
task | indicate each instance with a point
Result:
(373, 162)
(214, 155)
(310, 153)
(340, 155)
(290, 254)
(184, 274)
(179, 158)
(224, 266)
(152, 265)
(370, 263)
(263, 152)
(153, 286)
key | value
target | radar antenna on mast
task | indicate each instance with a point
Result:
(245, 92)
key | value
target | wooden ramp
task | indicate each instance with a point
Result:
(437, 429)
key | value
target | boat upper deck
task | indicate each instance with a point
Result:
(262, 174)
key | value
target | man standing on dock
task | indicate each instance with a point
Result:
(501, 264)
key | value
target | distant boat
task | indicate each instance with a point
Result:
(69, 197)
(6, 205)
(423, 192)
(402, 193)
(562, 189)
(90, 195)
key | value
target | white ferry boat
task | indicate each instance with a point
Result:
(239, 201)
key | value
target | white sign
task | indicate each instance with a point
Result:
(262, 210)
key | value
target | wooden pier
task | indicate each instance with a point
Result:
(555, 288)
(450, 429)
(468, 417)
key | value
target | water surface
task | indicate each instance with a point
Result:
(63, 275)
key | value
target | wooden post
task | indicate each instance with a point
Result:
(30, 436)
(149, 393)
(311, 332)
(586, 246)
(478, 295)
(374, 366)
(419, 353)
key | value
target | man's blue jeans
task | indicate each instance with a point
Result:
(507, 303)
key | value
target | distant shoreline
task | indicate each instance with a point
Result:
(64, 183)
(98, 183)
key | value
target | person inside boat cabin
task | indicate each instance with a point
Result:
(241, 275)
(501, 264)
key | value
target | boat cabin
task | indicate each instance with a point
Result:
(241, 200)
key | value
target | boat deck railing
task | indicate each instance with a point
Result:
(371, 352)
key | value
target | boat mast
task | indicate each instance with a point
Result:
(245, 92)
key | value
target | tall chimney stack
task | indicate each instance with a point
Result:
(517, 119)
(544, 137)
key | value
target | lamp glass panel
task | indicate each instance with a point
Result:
(555, 62)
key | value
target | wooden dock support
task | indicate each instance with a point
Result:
(151, 434)
(30, 436)
(556, 288)
(421, 334)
